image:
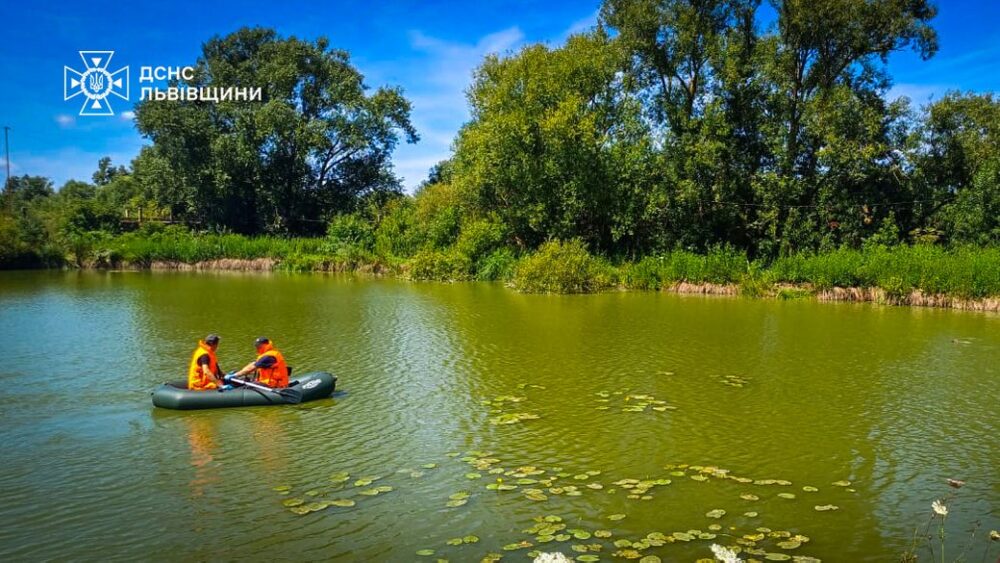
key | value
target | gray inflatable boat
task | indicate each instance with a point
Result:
(176, 395)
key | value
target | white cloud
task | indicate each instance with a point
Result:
(127, 115)
(581, 25)
(919, 94)
(65, 121)
(435, 84)
(452, 63)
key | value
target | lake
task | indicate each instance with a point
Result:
(716, 415)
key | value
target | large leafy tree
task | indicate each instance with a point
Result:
(316, 143)
(555, 144)
(778, 140)
(956, 156)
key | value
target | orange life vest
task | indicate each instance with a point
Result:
(196, 377)
(276, 375)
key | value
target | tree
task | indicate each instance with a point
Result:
(776, 141)
(956, 155)
(106, 172)
(555, 144)
(314, 144)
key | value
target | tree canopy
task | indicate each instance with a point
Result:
(316, 143)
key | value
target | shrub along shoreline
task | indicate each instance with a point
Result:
(919, 275)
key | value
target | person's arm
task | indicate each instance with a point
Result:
(206, 370)
(246, 369)
(265, 362)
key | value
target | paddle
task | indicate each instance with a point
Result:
(293, 396)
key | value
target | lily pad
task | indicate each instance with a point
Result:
(683, 536)
(470, 539)
(518, 545)
(454, 541)
(425, 552)
(587, 558)
(777, 557)
(810, 489)
(293, 502)
(841, 483)
(429, 465)
(750, 514)
(650, 559)
(787, 495)
(363, 482)
(456, 503)
(342, 502)
(749, 496)
(283, 488)
(459, 495)
(616, 517)
(826, 507)
(790, 544)
(602, 533)
(699, 478)
(716, 513)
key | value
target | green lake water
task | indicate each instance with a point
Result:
(892, 400)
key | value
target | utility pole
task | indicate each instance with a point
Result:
(6, 145)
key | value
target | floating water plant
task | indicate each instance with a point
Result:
(513, 418)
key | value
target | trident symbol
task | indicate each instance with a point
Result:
(96, 82)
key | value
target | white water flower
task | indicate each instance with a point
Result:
(552, 558)
(725, 554)
(939, 508)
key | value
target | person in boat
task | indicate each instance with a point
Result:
(204, 373)
(270, 367)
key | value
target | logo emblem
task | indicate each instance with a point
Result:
(95, 82)
(311, 384)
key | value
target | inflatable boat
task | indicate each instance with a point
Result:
(176, 395)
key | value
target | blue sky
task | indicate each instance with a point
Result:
(427, 47)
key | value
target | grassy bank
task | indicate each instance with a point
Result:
(878, 273)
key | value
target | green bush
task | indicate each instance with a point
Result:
(350, 230)
(561, 267)
(480, 237)
(497, 266)
(644, 274)
(439, 265)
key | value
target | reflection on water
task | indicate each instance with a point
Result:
(892, 400)
(201, 439)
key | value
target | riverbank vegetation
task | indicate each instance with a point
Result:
(675, 143)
